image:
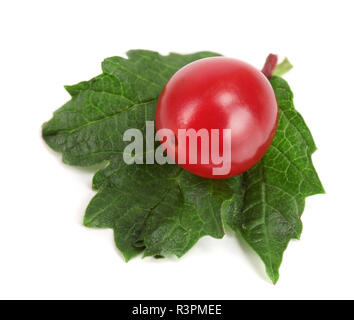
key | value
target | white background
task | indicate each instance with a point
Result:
(45, 252)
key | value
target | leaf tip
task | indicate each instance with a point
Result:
(69, 89)
(87, 222)
(322, 189)
(272, 274)
(274, 278)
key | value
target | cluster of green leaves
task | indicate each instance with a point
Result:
(164, 210)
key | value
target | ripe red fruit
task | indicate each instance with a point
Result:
(220, 93)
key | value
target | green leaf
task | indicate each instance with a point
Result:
(276, 188)
(164, 210)
(89, 128)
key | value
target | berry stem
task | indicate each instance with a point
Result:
(270, 64)
(282, 67)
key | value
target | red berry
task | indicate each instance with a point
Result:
(220, 93)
